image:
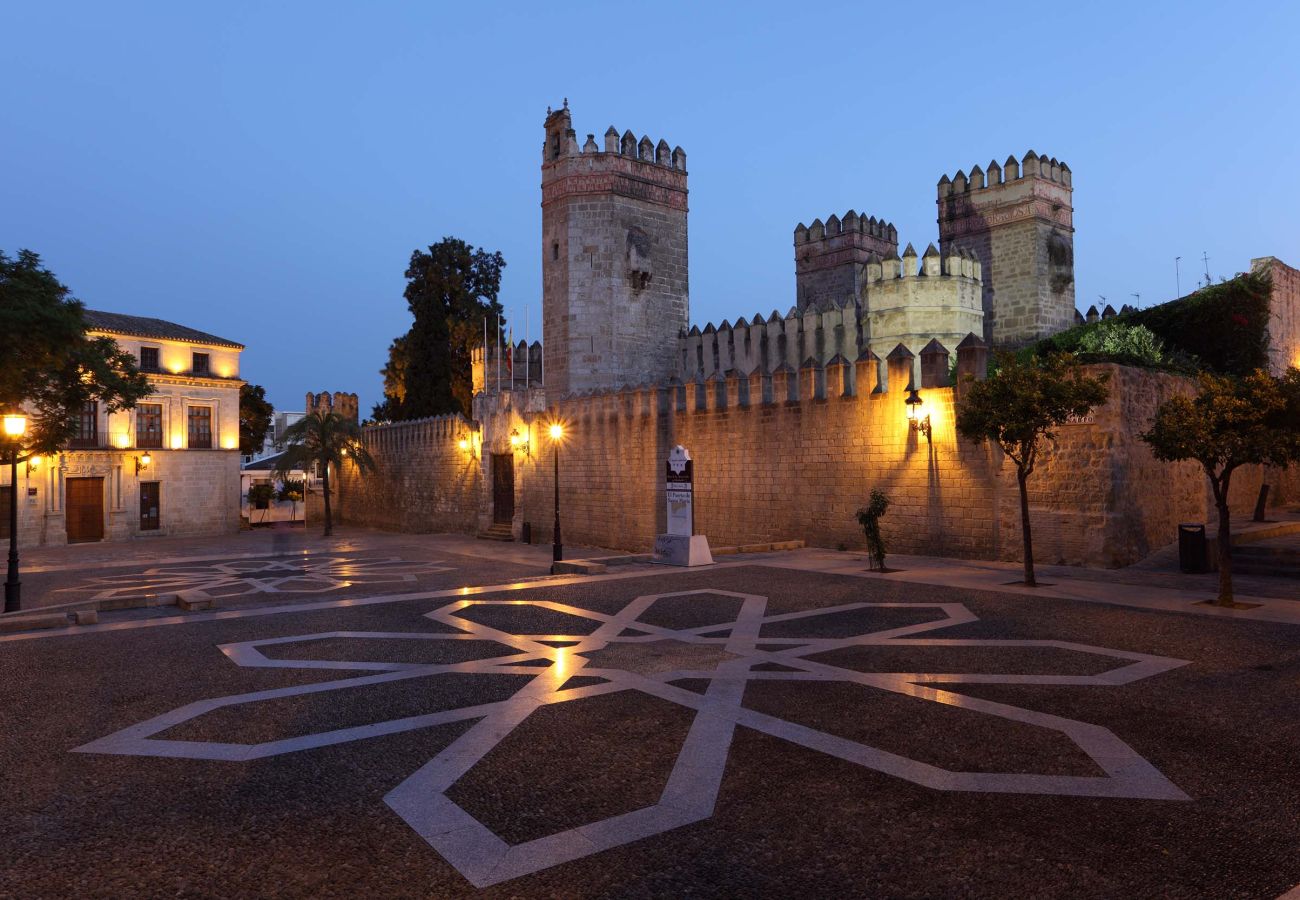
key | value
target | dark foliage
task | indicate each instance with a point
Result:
(255, 413)
(450, 290)
(1222, 328)
(48, 364)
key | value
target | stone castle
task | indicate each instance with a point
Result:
(793, 418)
(615, 290)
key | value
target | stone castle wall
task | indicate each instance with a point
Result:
(901, 302)
(793, 455)
(1284, 322)
(424, 480)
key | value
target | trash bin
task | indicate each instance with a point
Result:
(1192, 556)
(526, 533)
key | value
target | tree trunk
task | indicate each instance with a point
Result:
(1225, 539)
(1022, 476)
(325, 487)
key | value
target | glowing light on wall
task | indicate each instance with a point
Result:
(229, 443)
(177, 442)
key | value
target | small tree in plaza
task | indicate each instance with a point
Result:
(326, 440)
(1229, 423)
(869, 518)
(1019, 406)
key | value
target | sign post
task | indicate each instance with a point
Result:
(681, 546)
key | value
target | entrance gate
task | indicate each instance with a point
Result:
(503, 488)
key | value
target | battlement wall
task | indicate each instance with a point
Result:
(520, 367)
(345, 404)
(793, 454)
(902, 300)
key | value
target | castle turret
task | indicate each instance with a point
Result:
(1018, 220)
(830, 259)
(614, 260)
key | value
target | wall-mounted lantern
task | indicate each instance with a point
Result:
(33, 463)
(915, 420)
(466, 445)
(518, 441)
(143, 461)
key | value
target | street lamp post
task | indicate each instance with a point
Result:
(15, 425)
(557, 545)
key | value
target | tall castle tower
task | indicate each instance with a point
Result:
(1018, 220)
(830, 259)
(614, 265)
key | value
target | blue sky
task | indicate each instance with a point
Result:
(263, 171)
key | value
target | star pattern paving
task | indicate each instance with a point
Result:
(628, 652)
(279, 575)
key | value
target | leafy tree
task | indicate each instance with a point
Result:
(325, 440)
(255, 413)
(450, 290)
(48, 364)
(394, 372)
(1229, 423)
(869, 518)
(1019, 406)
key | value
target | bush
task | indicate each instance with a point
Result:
(1118, 341)
(1222, 328)
(869, 518)
(290, 490)
(259, 495)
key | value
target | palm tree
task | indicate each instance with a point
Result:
(324, 439)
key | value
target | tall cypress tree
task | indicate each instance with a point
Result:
(450, 290)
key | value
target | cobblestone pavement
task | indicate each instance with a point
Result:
(745, 730)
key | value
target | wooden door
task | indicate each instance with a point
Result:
(85, 509)
(149, 505)
(503, 488)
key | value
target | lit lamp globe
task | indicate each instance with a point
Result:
(557, 432)
(15, 425)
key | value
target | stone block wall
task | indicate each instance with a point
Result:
(198, 493)
(1284, 323)
(424, 481)
(771, 468)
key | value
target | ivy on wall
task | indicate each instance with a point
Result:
(1222, 328)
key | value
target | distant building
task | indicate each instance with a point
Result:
(170, 466)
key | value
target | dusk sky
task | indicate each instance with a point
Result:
(263, 171)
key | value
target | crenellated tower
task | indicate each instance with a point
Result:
(830, 258)
(1017, 218)
(614, 261)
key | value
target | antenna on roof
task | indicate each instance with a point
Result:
(1138, 296)
(1206, 257)
(1178, 281)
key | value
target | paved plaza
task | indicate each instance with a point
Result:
(459, 724)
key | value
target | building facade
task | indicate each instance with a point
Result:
(170, 466)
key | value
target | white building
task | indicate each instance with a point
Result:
(170, 466)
